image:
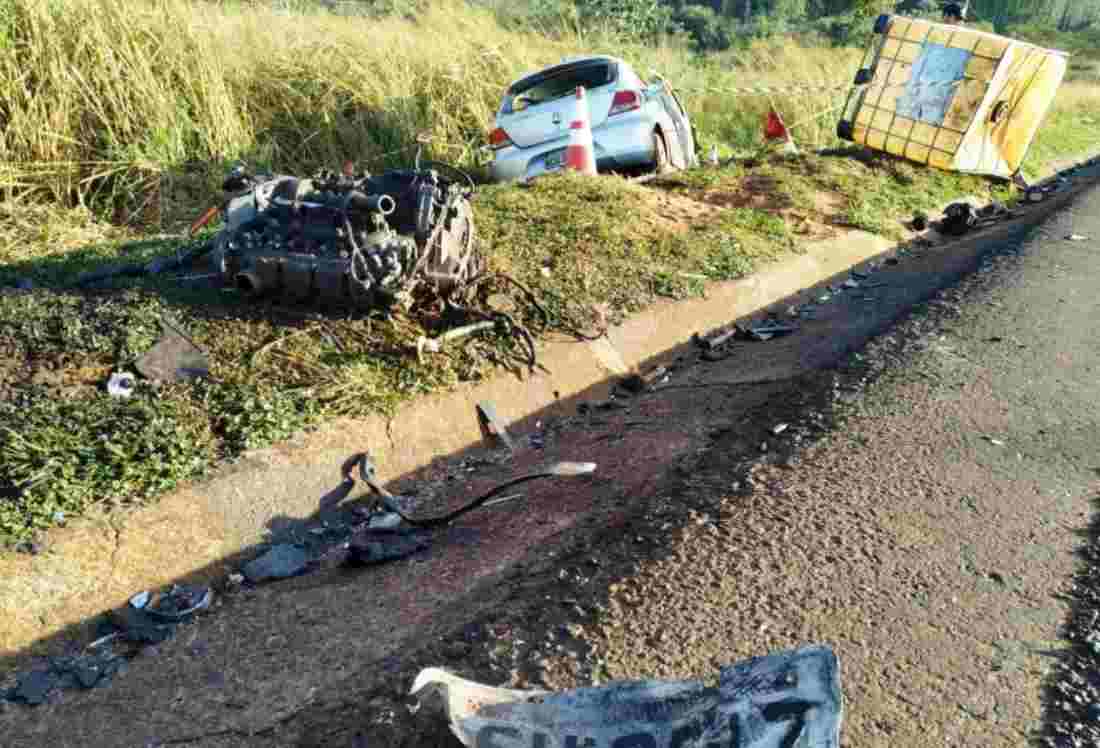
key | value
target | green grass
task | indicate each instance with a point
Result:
(304, 91)
(67, 445)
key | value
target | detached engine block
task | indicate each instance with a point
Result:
(347, 240)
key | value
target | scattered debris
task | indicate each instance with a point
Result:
(503, 500)
(780, 428)
(920, 222)
(958, 219)
(1035, 195)
(121, 384)
(180, 602)
(612, 404)
(766, 330)
(435, 345)
(136, 625)
(995, 209)
(34, 687)
(280, 562)
(147, 618)
(84, 671)
(234, 579)
(851, 283)
(384, 521)
(781, 699)
(718, 340)
(378, 546)
(174, 358)
(994, 442)
(637, 383)
(1076, 238)
(367, 474)
(493, 429)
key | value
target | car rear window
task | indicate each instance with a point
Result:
(557, 83)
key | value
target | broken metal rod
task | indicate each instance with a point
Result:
(435, 345)
(559, 469)
(637, 383)
(718, 340)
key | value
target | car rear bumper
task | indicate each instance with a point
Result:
(619, 145)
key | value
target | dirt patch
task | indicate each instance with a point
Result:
(823, 219)
(757, 191)
(815, 218)
(675, 212)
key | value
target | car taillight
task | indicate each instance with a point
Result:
(499, 139)
(625, 101)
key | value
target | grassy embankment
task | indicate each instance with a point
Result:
(139, 101)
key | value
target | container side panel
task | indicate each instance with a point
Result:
(933, 93)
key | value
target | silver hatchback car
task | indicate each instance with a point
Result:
(634, 125)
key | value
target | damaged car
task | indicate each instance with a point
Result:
(635, 125)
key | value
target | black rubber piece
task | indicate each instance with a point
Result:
(844, 130)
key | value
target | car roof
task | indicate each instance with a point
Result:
(570, 61)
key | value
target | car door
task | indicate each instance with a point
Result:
(685, 130)
(681, 150)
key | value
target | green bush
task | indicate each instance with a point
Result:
(63, 455)
(707, 30)
(640, 20)
(844, 30)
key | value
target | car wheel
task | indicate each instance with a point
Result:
(660, 154)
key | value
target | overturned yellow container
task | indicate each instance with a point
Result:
(951, 97)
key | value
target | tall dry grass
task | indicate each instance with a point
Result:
(95, 89)
(93, 86)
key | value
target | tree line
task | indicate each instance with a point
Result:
(721, 24)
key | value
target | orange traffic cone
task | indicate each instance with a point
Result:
(580, 154)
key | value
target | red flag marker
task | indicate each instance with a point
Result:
(774, 129)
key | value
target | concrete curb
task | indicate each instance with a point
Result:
(99, 562)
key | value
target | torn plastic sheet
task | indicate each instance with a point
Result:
(785, 699)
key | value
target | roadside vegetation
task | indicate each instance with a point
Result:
(121, 117)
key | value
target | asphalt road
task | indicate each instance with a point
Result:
(930, 535)
(919, 513)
